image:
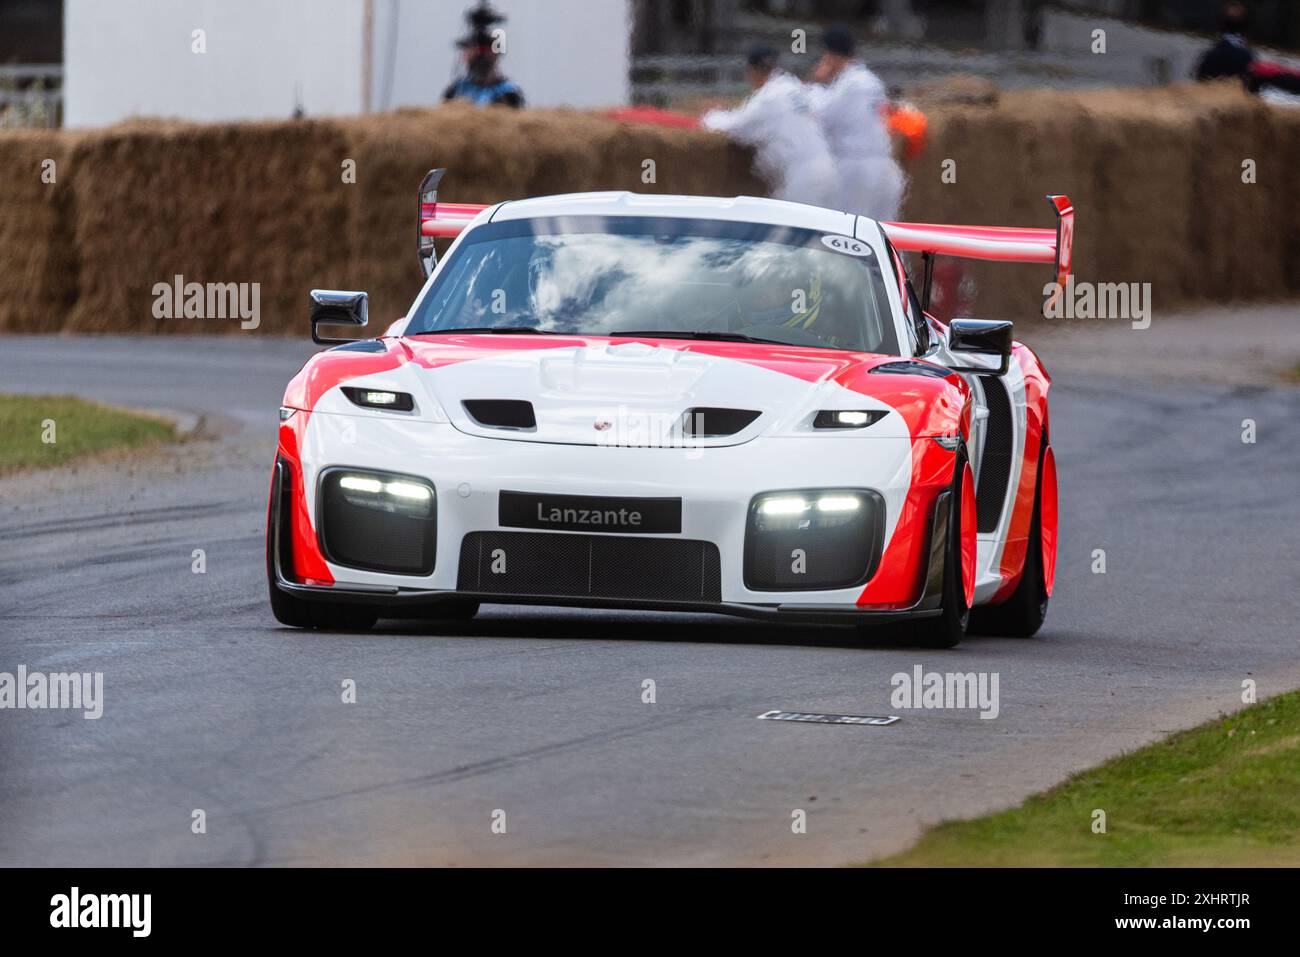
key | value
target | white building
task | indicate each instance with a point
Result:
(260, 59)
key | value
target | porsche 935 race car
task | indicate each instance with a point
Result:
(672, 403)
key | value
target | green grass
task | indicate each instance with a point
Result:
(1226, 793)
(80, 428)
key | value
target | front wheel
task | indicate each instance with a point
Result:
(322, 615)
(949, 627)
(300, 613)
(455, 609)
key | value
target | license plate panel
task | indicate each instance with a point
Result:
(590, 513)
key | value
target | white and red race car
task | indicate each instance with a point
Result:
(672, 403)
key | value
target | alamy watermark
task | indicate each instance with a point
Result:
(179, 299)
(1098, 300)
(626, 428)
(35, 690)
(947, 691)
(75, 909)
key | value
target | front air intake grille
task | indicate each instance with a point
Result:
(502, 413)
(378, 521)
(704, 422)
(545, 564)
(995, 464)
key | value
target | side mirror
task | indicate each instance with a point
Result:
(980, 337)
(335, 307)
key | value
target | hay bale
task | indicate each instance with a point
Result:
(1287, 123)
(1155, 176)
(1008, 158)
(245, 203)
(38, 275)
(959, 88)
(1140, 198)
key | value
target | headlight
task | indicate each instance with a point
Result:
(813, 539)
(380, 399)
(790, 505)
(847, 418)
(286, 412)
(378, 521)
(386, 495)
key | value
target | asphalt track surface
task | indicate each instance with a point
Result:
(210, 704)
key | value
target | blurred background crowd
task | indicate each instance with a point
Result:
(87, 62)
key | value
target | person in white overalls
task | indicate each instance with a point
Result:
(790, 151)
(848, 101)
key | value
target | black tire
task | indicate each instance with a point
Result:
(327, 616)
(289, 610)
(337, 616)
(461, 610)
(949, 627)
(321, 615)
(453, 609)
(1021, 615)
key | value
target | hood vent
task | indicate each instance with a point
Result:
(703, 422)
(911, 367)
(514, 414)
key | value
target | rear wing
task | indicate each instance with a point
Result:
(438, 220)
(993, 243)
(1007, 244)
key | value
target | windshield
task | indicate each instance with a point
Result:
(607, 276)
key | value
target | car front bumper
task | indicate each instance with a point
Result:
(716, 487)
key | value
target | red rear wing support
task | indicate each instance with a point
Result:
(1008, 244)
(439, 220)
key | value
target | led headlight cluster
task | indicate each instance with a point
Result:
(847, 418)
(380, 399)
(803, 509)
(387, 495)
(813, 539)
(378, 521)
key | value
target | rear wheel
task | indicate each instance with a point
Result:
(1021, 615)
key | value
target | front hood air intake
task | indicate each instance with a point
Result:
(709, 422)
(514, 414)
(630, 394)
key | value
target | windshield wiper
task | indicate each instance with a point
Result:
(656, 333)
(495, 330)
(714, 336)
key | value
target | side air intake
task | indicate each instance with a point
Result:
(995, 465)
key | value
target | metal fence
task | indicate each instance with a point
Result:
(662, 80)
